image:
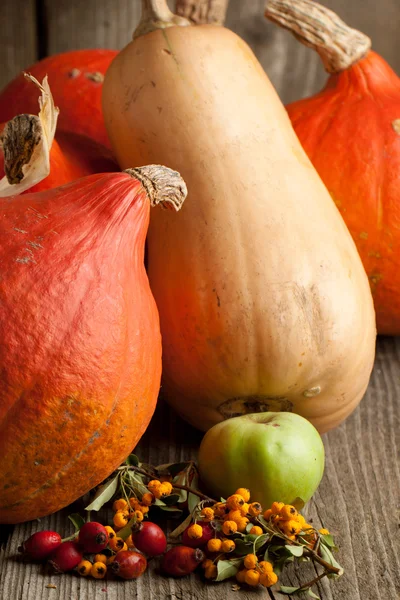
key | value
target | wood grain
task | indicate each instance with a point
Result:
(18, 47)
(358, 500)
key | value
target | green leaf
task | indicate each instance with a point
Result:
(298, 503)
(76, 520)
(193, 500)
(327, 540)
(181, 528)
(295, 550)
(171, 499)
(228, 568)
(242, 548)
(104, 494)
(181, 479)
(174, 468)
(285, 589)
(172, 509)
(126, 531)
(312, 595)
(132, 461)
(326, 554)
(136, 482)
(159, 502)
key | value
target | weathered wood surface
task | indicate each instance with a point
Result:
(358, 500)
(294, 70)
(359, 496)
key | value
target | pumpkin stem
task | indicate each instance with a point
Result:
(338, 45)
(163, 186)
(203, 11)
(26, 142)
(157, 15)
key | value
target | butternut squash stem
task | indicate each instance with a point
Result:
(157, 15)
(162, 185)
(203, 11)
(338, 45)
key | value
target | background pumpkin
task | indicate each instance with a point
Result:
(351, 133)
(76, 80)
(80, 347)
(261, 307)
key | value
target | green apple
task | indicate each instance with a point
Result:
(278, 456)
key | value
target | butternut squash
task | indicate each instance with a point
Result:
(263, 300)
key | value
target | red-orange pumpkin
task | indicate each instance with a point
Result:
(32, 160)
(351, 133)
(80, 346)
(76, 80)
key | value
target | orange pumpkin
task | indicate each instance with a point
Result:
(76, 79)
(80, 345)
(351, 132)
(32, 160)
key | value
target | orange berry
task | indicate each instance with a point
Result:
(84, 568)
(129, 542)
(276, 507)
(323, 531)
(211, 572)
(268, 578)
(244, 509)
(111, 532)
(244, 492)
(255, 509)
(288, 512)
(139, 516)
(267, 514)
(229, 527)
(220, 509)
(119, 504)
(147, 499)
(195, 532)
(214, 545)
(207, 514)
(234, 502)
(143, 509)
(228, 546)
(252, 577)
(240, 575)
(133, 502)
(242, 524)
(290, 527)
(265, 566)
(116, 544)
(206, 563)
(256, 530)
(167, 486)
(250, 561)
(98, 570)
(233, 515)
(153, 485)
(100, 558)
(121, 518)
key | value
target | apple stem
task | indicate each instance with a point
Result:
(175, 485)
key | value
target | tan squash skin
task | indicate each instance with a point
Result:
(261, 293)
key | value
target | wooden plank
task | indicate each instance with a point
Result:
(18, 48)
(73, 24)
(357, 500)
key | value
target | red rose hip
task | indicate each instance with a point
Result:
(40, 545)
(149, 538)
(65, 557)
(181, 560)
(129, 564)
(93, 537)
